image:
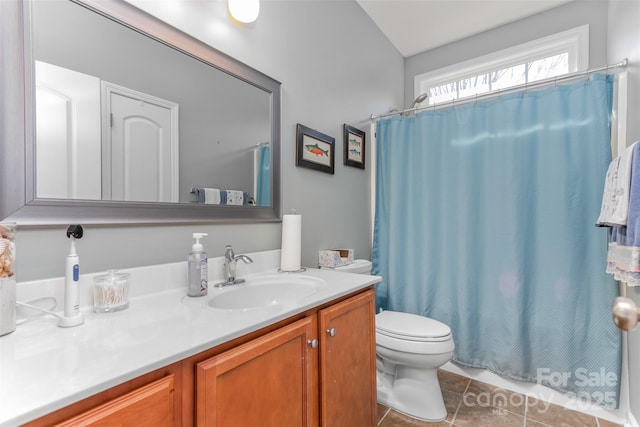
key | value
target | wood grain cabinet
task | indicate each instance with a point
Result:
(148, 406)
(265, 382)
(151, 400)
(348, 363)
(326, 361)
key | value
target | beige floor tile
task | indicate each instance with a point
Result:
(534, 423)
(487, 395)
(486, 416)
(381, 411)
(451, 402)
(606, 423)
(452, 382)
(396, 419)
(557, 416)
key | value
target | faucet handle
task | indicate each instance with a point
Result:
(228, 253)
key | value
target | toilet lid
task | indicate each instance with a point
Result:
(410, 326)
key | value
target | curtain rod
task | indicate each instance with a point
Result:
(622, 64)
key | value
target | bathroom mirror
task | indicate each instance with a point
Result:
(129, 120)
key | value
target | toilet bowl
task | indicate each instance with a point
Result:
(409, 351)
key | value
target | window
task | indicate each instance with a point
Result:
(555, 55)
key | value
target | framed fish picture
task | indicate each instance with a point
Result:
(314, 150)
(354, 142)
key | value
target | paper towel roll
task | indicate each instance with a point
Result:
(291, 238)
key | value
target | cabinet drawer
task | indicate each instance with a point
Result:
(150, 405)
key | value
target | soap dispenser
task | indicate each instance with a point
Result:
(198, 269)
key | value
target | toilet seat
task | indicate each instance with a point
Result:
(411, 327)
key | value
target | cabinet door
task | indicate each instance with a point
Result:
(348, 363)
(266, 382)
(148, 406)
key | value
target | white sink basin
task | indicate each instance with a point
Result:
(270, 291)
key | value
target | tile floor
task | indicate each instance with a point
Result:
(469, 404)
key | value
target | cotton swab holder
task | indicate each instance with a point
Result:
(111, 292)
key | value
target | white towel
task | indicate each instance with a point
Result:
(211, 196)
(235, 197)
(623, 262)
(615, 198)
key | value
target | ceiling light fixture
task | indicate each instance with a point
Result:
(245, 11)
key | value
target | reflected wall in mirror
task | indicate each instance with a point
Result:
(129, 120)
(105, 98)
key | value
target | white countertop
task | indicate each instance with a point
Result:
(44, 367)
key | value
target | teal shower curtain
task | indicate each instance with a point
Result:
(484, 220)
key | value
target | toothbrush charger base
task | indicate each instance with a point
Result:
(70, 321)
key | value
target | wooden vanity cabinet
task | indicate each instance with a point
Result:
(148, 406)
(151, 400)
(265, 382)
(325, 360)
(348, 363)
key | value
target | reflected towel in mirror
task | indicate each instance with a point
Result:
(215, 196)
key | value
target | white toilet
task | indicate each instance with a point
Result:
(409, 350)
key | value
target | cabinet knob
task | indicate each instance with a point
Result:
(331, 332)
(313, 343)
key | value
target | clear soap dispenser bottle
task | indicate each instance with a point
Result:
(198, 269)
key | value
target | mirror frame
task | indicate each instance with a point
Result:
(18, 201)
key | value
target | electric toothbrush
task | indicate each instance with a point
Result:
(72, 315)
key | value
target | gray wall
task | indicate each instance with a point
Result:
(570, 15)
(624, 41)
(335, 67)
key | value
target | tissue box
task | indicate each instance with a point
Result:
(333, 258)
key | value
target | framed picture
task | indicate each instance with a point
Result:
(354, 143)
(314, 150)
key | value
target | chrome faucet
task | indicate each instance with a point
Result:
(230, 263)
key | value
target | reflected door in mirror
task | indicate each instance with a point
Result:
(141, 147)
(68, 133)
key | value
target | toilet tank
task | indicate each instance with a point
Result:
(359, 266)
